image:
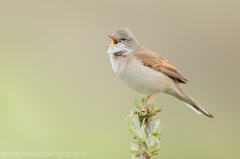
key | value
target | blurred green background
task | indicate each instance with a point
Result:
(58, 91)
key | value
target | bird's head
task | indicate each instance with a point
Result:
(122, 41)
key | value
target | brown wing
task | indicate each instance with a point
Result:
(159, 64)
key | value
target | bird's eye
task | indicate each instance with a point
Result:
(123, 39)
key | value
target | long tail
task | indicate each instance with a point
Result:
(189, 101)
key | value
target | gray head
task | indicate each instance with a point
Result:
(122, 38)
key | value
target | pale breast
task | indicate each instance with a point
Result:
(118, 63)
(141, 78)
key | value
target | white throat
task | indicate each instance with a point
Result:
(119, 48)
(118, 54)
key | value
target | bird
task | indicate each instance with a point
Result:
(147, 72)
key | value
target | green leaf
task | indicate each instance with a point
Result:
(152, 148)
(134, 110)
(150, 113)
(143, 129)
(129, 121)
(155, 134)
(155, 153)
(151, 106)
(145, 140)
(137, 132)
(136, 139)
(134, 157)
(157, 122)
(159, 109)
(156, 128)
(135, 120)
(153, 142)
(144, 102)
(157, 150)
(144, 122)
(153, 112)
(144, 147)
(136, 102)
(134, 148)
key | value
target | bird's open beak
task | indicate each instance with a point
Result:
(114, 43)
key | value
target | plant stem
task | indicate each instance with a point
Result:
(148, 126)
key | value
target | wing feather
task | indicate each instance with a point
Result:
(158, 63)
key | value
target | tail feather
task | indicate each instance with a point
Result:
(194, 109)
(189, 101)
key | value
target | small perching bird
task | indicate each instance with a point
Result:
(147, 72)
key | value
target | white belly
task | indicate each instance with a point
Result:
(142, 78)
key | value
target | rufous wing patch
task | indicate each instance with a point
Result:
(158, 63)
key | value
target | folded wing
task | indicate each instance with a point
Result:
(158, 63)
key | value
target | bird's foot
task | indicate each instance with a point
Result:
(145, 108)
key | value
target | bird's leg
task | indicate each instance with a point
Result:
(149, 103)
